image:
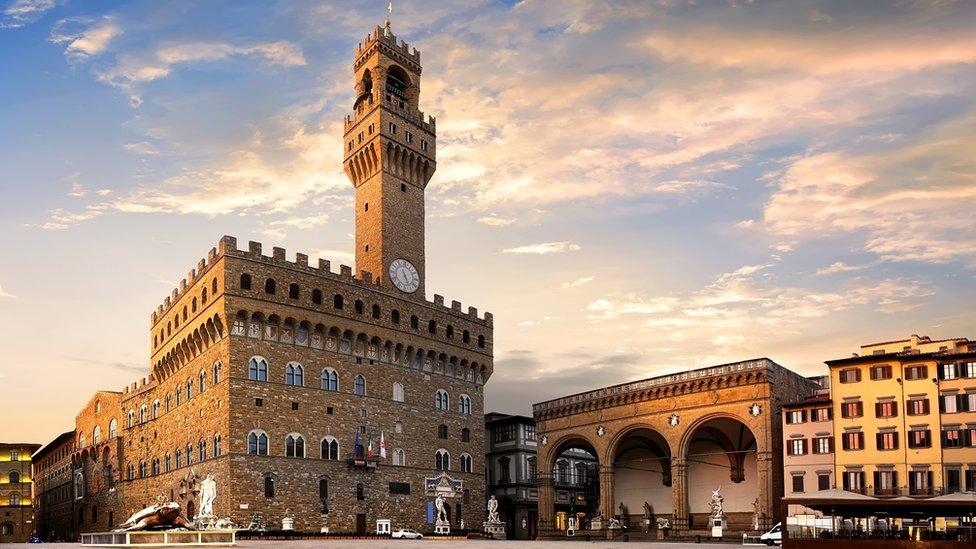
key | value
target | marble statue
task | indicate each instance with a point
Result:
(663, 523)
(493, 510)
(623, 510)
(648, 511)
(717, 503)
(208, 493)
(441, 512)
(163, 514)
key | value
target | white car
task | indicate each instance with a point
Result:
(406, 533)
(774, 536)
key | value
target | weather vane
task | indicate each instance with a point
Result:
(389, 13)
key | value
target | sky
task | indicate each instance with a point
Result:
(631, 188)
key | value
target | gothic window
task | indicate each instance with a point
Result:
(179, 396)
(294, 446)
(395, 316)
(294, 374)
(398, 395)
(397, 426)
(97, 434)
(442, 460)
(257, 369)
(184, 313)
(464, 404)
(257, 443)
(329, 448)
(216, 372)
(360, 385)
(213, 287)
(155, 466)
(465, 435)
(245, 281)
(442, 431)
(130, 420)
(269, 286)
(155, 410)
(14, 499)
(113, 428)
(399, 457)
(143, 413)
(203, 297)
(442, 401)
(179, 458)
(330, 380)
(143, 469)
(293, 292)
(14, 477)
(269, 485)
(189, 389)
(189, 453)
(465, 463)
(203, 380)
(168, 462)
(337, 301)
(466, 336)
(449, 332)
(216, 445)
(317, 297)
(193, 305)
(202, 450)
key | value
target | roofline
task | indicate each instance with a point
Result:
(67, 435)
(904, 357)
(17, 445)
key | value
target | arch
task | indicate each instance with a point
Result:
(360, 385)
(257, 444)
(329, 448)
(257, 368)
(568, 442)
(294, 374)
(442, 460)
(294, 445)
(329, 380)
(719, 448)
(641, 458)
(442, 400)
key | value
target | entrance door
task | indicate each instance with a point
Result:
(361, 523)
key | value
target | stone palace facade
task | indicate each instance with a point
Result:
(304, 390)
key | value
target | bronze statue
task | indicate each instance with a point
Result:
(164, 514)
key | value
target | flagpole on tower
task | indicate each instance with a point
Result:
(389, 13)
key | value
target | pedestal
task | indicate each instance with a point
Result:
(287, 523)
(442, 527)
(596, 523)
(325, 524)
(718, 526)
(571, 527)
(495, 529)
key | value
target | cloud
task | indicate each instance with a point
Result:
(840, 267)
(544, 248)
(91, 40)
(689, 187)
(20, 13)
(143, 148)
(60, 219)
(6, 295)
(578, 282)
(495, 221)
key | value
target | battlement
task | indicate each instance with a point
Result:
(228, 247)
(383, 36)
(417, 117)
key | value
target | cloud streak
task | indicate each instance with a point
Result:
(544, 248)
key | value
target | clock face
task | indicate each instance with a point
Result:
(404, 276)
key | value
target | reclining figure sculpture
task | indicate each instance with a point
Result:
(164, 514)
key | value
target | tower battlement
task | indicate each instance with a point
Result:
(384, 37)
(418, 117)
(255, 252)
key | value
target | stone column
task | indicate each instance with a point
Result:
(766, 487)
(679, 493)
(606, 494)
(547, 504)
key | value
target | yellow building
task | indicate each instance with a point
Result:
(905, 417)
(16, 513)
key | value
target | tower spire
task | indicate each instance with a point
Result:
(389, 14)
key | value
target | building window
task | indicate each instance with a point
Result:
(821, 414)
(294, 374)
(796, 416)
(216, 445)
(852, 375)
(294, 446)
(852, 409)
(179, 459)
(885, 483)
(245, 281)
(887, 440)
(269, 486)
(330, 380)
(823, 445)
(203, 381)
(481, 341)
(442, 460)
(854, 481)
(97, 431)
(398, 395)
(465, 435)
(324, 489)
(113, 428)
(359, 306)
(337, 301)
(392, 128)
(948, 371)
(329, 449)
(464, 404)
(143, 470)
(880, 372)
(397, 426)
(14, 477)
(953, 480)
(969, 369)
(423, 145)
(442, 431)
(360, 385)
(796, 447)
(257, 369)
(441, 400)
(168, 462)
(797, 483)
(395, 316)
(216, 372)
(189, 389)
(293, 291)
(951, 403)
(853, 440)
(823, 481)
(414, 322)
(399, 458)
(917, 372)
(376, 311)
(885, 409)
(504, 433)
(952, 437)
(202, 450)
(409, 137)
(360, 492)
(270, 286)
(920, 438)
(257, 443)
(317, 297)
(400, 488)
(466, 463)
(918, 407)
(920, 483)
(432, 327)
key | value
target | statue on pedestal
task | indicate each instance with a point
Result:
(717, 503)
(162, 515)
(441, 512)
(208, 493)
(493, 510)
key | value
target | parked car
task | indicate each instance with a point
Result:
(34, 539)
(406, 533)
(774, 536)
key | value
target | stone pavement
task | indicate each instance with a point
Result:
(436, 544)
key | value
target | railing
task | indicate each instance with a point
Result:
(913, 491)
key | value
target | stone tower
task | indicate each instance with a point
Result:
(389, 157)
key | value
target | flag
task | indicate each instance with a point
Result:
(357, 446)
(382, 446)
(369, 447)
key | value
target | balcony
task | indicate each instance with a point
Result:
(361, 463)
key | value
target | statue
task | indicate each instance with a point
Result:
(756, 511)
(493, 510)
(663, 523)
(648, 511)
(717, 503)
(441, 512)
(623, 510)
(208, 493)
(163, 514)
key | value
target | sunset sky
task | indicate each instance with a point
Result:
(631, 188)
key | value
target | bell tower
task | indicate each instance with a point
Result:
(389, 156)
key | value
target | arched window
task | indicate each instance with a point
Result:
(398, 392)
(184, 313)
(155, 466)
(442, 401)
(360, 385)
(449, 332)
(269, 286)
(337, 301)
(189, 453)
(179, 396)
(464, 404)
(399, 457)
(359, 306)
(216, 445)
(293, 292)
(257, 369)
(203, 380)
(330, 380)
(155, 410)
(7, 528)
(14, 477)
(398, 426)
(465, 435)
(179, 458)
(317, 297)
(432, 326)
(329, 448)
(481, 341)
(294, 446)
(203, 297)
(395, 316)
(97, 434)
(466, 463)
(143, 413)
(143, 469)
(130, 420)
(193, 304)
(442, 431)
(168, 462)
(189, 389)
(442, 460)
(14, 499)
(245, 281)
(257, 443)
(213, 287)
(269, 485)
(294, 374)
(216, 372)
(414, 322)
(376, 311)
(113, 428)
(201, 450)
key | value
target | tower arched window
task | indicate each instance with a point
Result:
(193, 304)
(143, 469)
(399, 457)
(442, 401)
(113, 428)
(257, 443)
(376, 311)
(360, 385)
(464, 404)
(317, 297)
(168, 462)
(293, 292)
(130, 420)
(269, 286)
(216, 372)
(179, 458)
(184, 313)
(257, 369)
(97, 434)
(14, 477)
(155, 410)
(481, 341)
(295, 446)
(330, 380)
(203, 381)
(359, 306)
(432, 326)
(414, 322)
(398, 392)
(203, 297)
(189, 389)
(337, 301)
(395, 316)
(442, 460)
(189, 453)
(213, 287)
(294, 374)
(245, 281)
(143, 413)
(201, 450)
(329, 449)
(442, 431)
(155, 466)
(216, 445)
(449, 332)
